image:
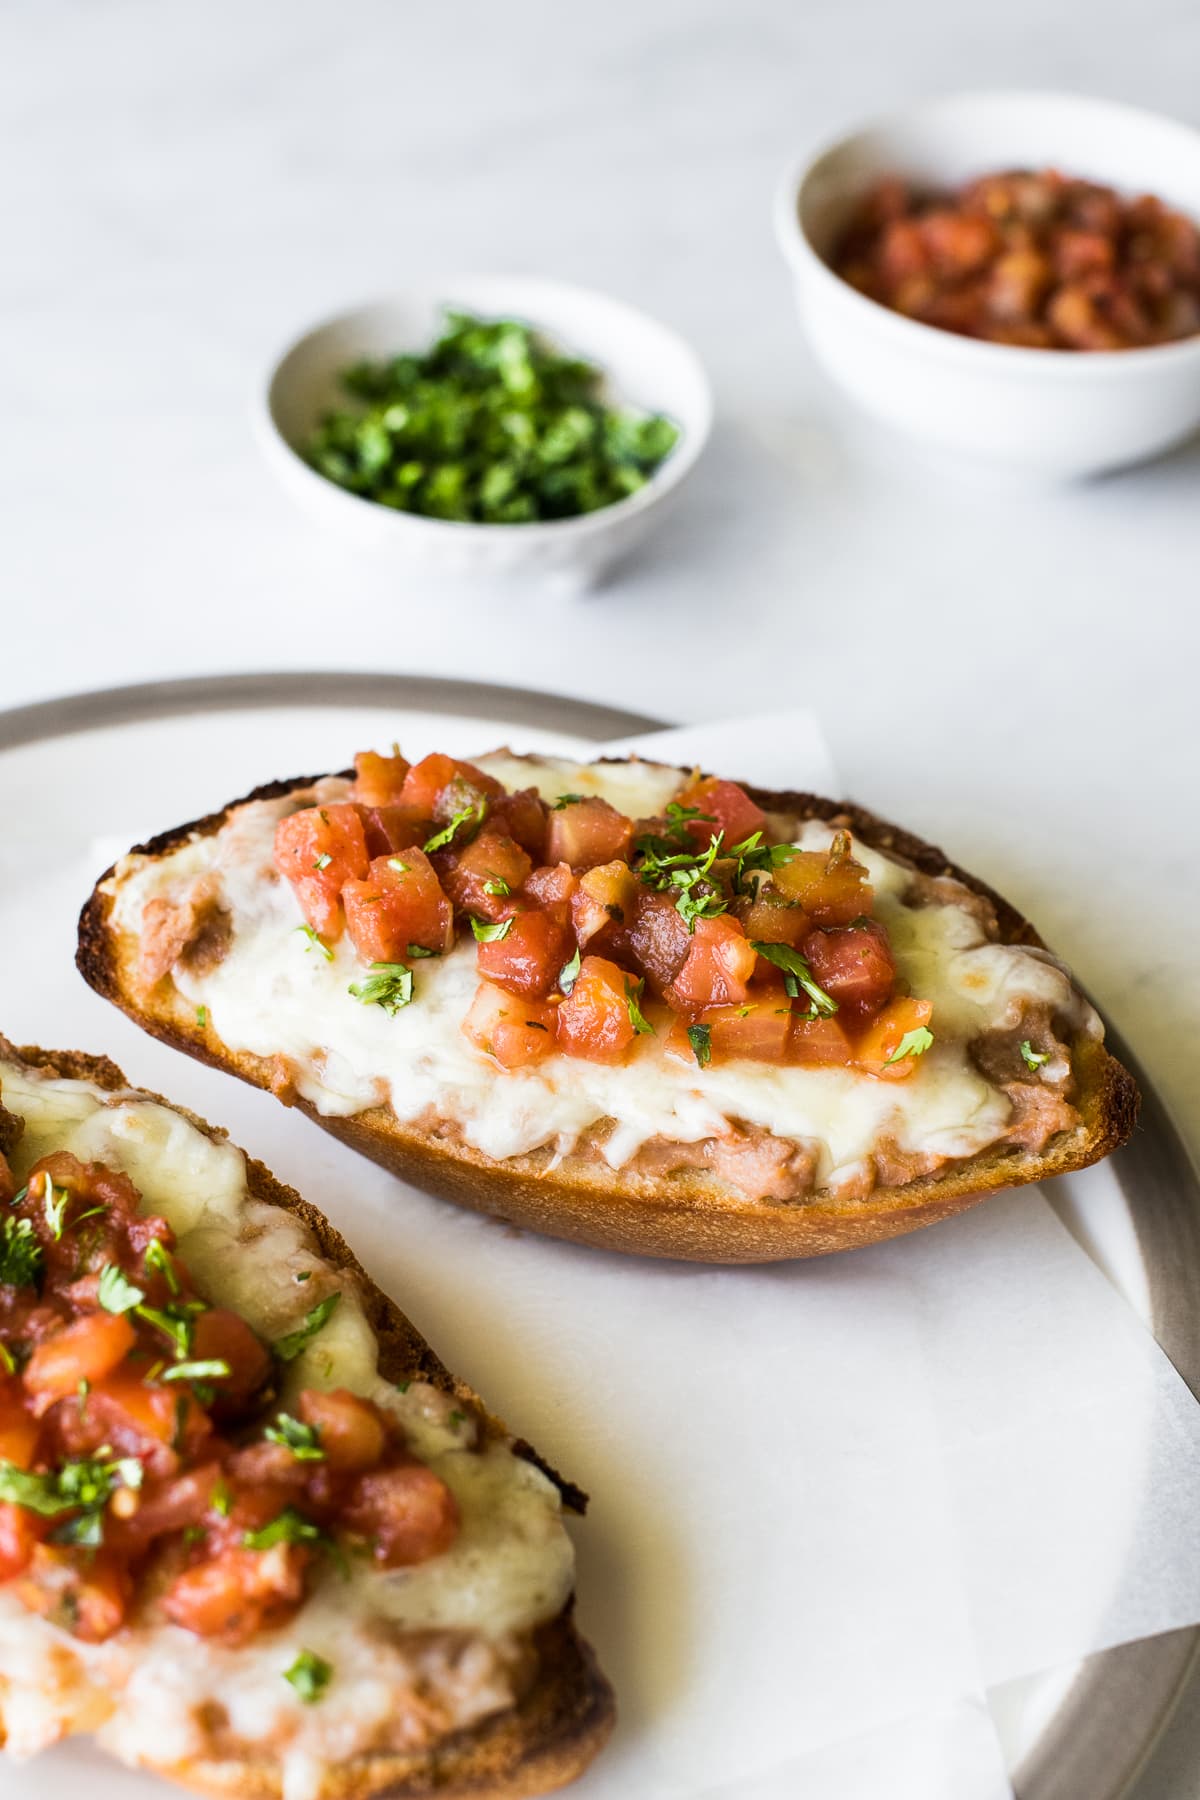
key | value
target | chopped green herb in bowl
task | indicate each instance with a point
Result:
(429, 424)
(491, 425)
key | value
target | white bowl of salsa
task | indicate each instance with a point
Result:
(1051, 412)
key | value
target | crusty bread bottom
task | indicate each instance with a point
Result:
(686, 1214)
(566, 1716)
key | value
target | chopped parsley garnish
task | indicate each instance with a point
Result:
(315, 942)
(913, 1043)
(467, 820)
(289, 1347)
(212, 1368)
(389, 985)
(310, 1675)
(753, 857)
(700, 1038)
(83, 1487)
(491, 423)
(159, 1258)
(798, 977)
(1033, 1058)
(55, 1203)
(633, 993)
(116, 1293)
(565, 800)
(296, 1436)
(497, 887)
(288, 1527)
(323, 861)
(20, 1254)
(417, 951)
(700, 895)
(569, 973)
(176, 1321)
(491, 934)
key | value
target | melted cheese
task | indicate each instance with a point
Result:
(510, 1568)
(274, 994)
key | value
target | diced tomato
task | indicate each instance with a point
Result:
(18, 1428)
(585, 833)
(427, 786)
(512, 1029)
(21, 1531)
(594, 1021)
(407, 1514)
(125, 1410)
(718, 967)
(607, 896)
(390, 829)
(659, 938)
(529, 958)
(318, 849)
(86, 1350)
(819, 1043)
(729, 808)
(884, 1036)
(399, 903)
(486, 874)
(238, 1592)
(855, 966)
(219, 1335)
(831, 886)
(170, 1505)
(87, 1598)
(760, 1029)
(523, 816)
(350, 1432)
(379, 780)
(770, 919)
(552, 888)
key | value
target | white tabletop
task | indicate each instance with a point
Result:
(1012, 674)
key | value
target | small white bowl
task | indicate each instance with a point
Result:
(647, 367)
(1052, 413)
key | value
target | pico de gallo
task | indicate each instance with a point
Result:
(147, 1471)
(594, 929)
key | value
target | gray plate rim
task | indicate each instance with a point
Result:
(1101, 1742)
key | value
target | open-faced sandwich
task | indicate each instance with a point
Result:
(617, 1002)
(252, 1533)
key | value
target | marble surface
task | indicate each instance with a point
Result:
(1012, 673)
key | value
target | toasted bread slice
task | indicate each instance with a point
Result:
(562, 1710)
(647, 1206)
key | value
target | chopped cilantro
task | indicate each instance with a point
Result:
(467, 820)
(491, 423)
(315, 942)
(491, 934)
(20, 1253)
(565, 800)
(159, 1258)
(288, 1527)
(497, 887)
(913, 1043)
(116, 1293)
(389, 985)
(207, 1369)
(633, 993)
(202, 1016)
(310, 1675)
(798, 977)
(700, 1038)
(296, 1436)
(417, 951)
(289, 1347)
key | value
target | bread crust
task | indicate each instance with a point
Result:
(684, 1215)
(566, 1716)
